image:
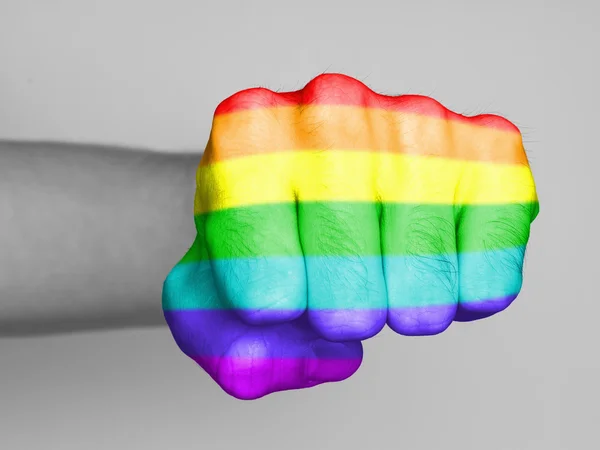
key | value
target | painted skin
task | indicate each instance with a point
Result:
(325, 213)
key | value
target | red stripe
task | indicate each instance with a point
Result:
(338, 89)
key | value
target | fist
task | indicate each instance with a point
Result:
(325, 213)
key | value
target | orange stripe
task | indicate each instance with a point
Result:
(337, 127)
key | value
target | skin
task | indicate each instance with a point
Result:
(88, 234)
(300, 234)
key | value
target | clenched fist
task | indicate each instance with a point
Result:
(325, 213)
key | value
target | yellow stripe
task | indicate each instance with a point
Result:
(337, 175)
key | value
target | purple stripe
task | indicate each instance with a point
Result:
(422, 320)
(211, 332)
(469, 311)
(252, 378)
(252, 361)
(218, 332)
(430, 320)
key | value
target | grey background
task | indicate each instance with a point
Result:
(149, 73)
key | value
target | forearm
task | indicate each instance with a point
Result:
(87, 234)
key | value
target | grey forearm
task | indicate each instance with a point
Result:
(88, 234)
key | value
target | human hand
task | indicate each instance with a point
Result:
(349, 209)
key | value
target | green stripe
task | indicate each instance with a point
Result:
(406, 229)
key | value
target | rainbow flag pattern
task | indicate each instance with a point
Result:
(326, 213)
